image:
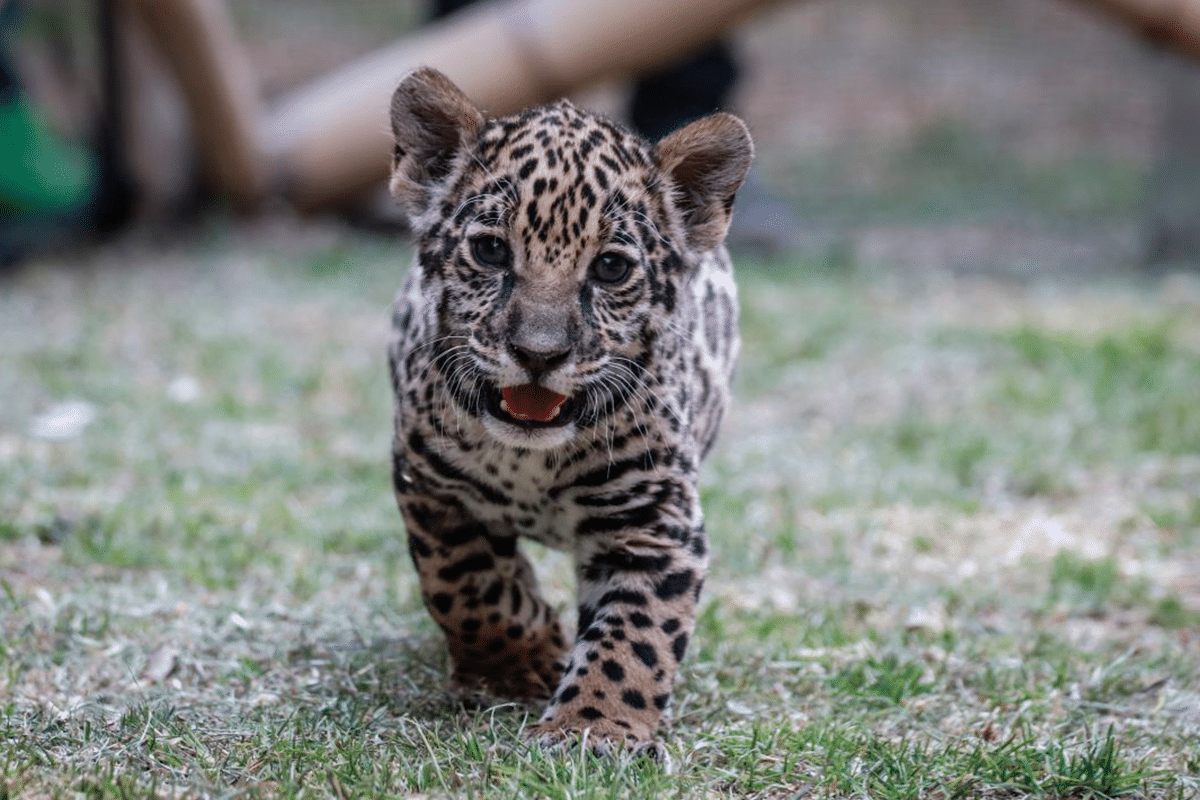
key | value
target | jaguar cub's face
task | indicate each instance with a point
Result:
(557, 247)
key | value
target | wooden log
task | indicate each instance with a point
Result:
(331, 140)
(1174, 23)
(198, 40)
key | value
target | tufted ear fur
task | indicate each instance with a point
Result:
(706, 161)
(432, 122)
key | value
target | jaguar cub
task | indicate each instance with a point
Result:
(561, 358)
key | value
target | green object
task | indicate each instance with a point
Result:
(40, 174)
(55, 191)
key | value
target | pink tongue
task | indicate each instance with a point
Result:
(532, 402)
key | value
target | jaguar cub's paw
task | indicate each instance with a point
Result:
(525, 684)
(601, 737)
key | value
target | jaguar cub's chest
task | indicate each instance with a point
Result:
(553, 498)
(528, 501)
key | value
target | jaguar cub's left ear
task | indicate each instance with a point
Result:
(707, 162)
(432, 122)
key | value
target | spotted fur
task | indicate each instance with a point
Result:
(556, 247)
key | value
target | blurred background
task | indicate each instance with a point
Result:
(1020, 136)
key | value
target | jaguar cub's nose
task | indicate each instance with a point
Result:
(538, 361)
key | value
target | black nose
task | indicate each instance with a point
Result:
(538, 361)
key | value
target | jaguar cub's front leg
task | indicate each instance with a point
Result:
(503, 637)
(637, 609)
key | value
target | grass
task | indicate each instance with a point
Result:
(953, 527)
(934, 176)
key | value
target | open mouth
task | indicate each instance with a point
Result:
(531, 406)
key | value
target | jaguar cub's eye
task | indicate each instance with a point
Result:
(491, 251)
(611, 267)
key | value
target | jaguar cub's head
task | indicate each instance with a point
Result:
(556, 248)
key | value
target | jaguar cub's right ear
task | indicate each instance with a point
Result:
(432, 122)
